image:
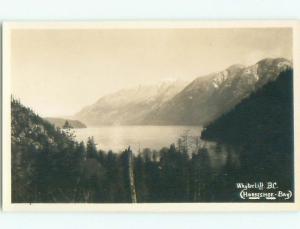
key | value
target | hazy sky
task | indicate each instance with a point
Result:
(57, 72)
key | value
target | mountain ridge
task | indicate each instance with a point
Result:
(196, 103)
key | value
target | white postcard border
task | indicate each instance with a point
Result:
(153, 207)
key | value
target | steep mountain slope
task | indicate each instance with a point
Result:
(206, 98)
(129, 106)
(59, 122)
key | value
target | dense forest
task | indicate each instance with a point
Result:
(48, 165)
(261, 127)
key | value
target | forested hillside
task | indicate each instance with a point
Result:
(49, 166)
(262, 127)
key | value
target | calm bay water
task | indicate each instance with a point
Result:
(118, 138)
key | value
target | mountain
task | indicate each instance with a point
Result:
(129, 106)
(59, 122)
(208, 97)
(198, 103)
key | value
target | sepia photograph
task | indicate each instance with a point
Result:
(149, 116)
